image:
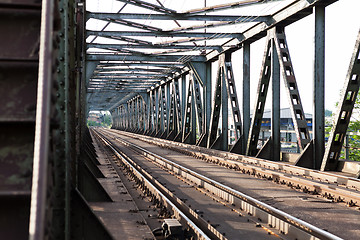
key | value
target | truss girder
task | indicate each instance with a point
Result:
(344, 111)
(197, 100)
(232, 94)
(188, 113)
(177, 105)
(298, 115)
(215, 113)
(262, 91)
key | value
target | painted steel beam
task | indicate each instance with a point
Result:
(147, 5)
(251, 149)
(150, 46)
(101, 90)
(177, 106)
(343, 114)
(275, 106)
(131, 70)
(160, 34)
(188, 113)
(284, 17)
(297, 112)
(126, 79)
(129, 75)
(222, 7)
(182, 17)
(133, 24)
(246, 95)
(216, 107)
(126, 63)
(130, 40)
(150, 58)
(319, 88)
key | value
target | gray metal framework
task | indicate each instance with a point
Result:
(174, 75)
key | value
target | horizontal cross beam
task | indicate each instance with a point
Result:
(131, 70)
(150, 58)
(182, 17)
(151, 46)
(142, 64)
(160, 34)
(130, 75)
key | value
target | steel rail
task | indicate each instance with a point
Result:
(236, 196)
(331, 186)
(226, 157)
(149, 184)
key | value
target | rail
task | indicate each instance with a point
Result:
(276, 218)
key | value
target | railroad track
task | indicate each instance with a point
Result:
(275, 222)
(331, 186)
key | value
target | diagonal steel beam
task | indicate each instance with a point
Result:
(251, 149)
(297, 112)
(344, 111)
(133, 24)
(222, 7)
(150, 6)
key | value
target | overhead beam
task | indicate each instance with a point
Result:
(150, 6)
(126, 79)
(283, 17)
(152, 46)
(150, 58)
(182, 17)
(221, 7)
(160, 34)
(142, 64)
(133, 24)
(130, 75)
(132, 70)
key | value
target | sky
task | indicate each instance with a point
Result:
(342, 26)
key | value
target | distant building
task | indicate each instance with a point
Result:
(286, 125)
(95, 117)
(287, 132)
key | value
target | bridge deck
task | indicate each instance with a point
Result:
(336, 218)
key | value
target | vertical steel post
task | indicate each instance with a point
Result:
(168, 105)
(224, 114)
(275, 110)
(207, 97)
(156, 117)
(246, 94)
(193, 118)
(183, 98)
(319, 87)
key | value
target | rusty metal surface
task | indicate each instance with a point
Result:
(16, 146)
(18, 83)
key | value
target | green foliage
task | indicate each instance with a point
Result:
(353, 131)
(328, 113)
(104, 121)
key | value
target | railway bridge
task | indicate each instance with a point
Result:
(186, 156)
